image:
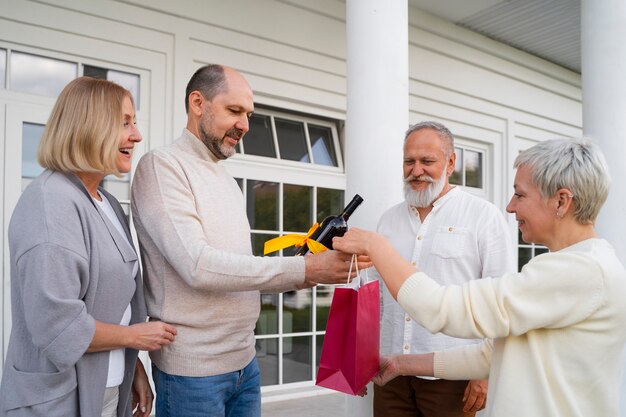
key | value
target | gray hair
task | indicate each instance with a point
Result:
(575, 164)
(443, 132)
(209, 80)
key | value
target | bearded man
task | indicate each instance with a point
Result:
(200, 274)
(449, 234)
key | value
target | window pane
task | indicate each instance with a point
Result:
(268, 318)
(473, 169)
(524, 255)
(240, 183)
(262, 204)
(39, 75)
(3, 67)
(324, 298)
(329, 202)
(258, 140)
(457, 175)
(31, 135)
(291, 140)
(297, 311)
(297, 208)
(128, 81)
(125, 79)
(95, 72)
(258, 243)
(297, 359)
(539, 251)
(267, 357)
(322, 145)
(519, 237)
(319, 342)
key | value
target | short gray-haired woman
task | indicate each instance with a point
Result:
(78, 312)
(557, 326)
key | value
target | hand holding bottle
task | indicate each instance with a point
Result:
(331, 267)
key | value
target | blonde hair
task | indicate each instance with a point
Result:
(82, 133)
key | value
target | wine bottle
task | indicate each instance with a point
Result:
(332, 226)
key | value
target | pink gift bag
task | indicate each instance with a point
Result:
(351, 345)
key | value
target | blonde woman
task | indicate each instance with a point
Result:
(557, 326)
(78, 312)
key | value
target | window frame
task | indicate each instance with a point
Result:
(285, 172)
(306, 120)
(485, 149)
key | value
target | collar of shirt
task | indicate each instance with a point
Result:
(436, 204)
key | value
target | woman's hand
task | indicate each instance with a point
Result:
(388, 370)
(391, 266)
(475, 396)
(151, 335)
(356, 241)
(420, 364)
(141, 336)
(141, 391)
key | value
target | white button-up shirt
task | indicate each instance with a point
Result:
(464, 237)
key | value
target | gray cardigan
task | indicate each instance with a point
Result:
(69, 267)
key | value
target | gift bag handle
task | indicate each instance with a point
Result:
(354, 260)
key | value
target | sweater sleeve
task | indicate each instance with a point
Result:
(464, 362)
(164, 207)
(552, 291)
(51, 281)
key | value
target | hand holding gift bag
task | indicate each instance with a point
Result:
(351, 345)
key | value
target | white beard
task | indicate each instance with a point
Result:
(428, 196)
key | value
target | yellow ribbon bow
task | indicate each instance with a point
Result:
(298, 241)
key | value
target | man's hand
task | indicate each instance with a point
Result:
(331, 267)
(475, 397)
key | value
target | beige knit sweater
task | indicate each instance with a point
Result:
(200, 274)
(558, 330)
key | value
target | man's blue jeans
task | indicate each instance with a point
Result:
(235, 394)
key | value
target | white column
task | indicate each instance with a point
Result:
(377, 116)
(603, 32)
(377, 104)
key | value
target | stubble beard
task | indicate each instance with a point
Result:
(215, 144)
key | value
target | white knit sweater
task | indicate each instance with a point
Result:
(558, 328)
(200, 274)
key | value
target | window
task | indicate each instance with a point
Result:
(125, 79)
(291, 325)
(290, 169)
(40, 75)
(47, 76)
(3, 67)
(527, 251)
(469, 169)
(31, 136)
(293, 138)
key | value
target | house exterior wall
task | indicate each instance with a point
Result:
(494, 98)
